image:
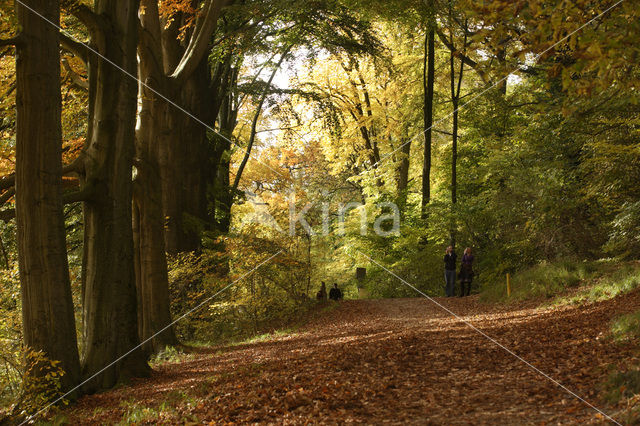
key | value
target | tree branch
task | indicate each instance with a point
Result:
(75, 167)
(7, 195)
(467, 60)
(12, 87)
(254, 123)
(13, 41)
(8, 181)
(444, 132)
(200, 41)
(75, 78)
(78, 49)
(85, 14)
(4, 52)
(523, 104)
(85, 193)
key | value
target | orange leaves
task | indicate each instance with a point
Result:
(170, 10)
(401, 360)
(297, 398)
(71, 149)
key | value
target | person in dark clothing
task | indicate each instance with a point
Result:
(466, 272)
(335, 293)
(450, 258)
(322, 293)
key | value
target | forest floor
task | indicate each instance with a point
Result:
(391, 361)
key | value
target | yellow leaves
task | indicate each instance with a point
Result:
(40, 380)
(535, 8)
(595, 50)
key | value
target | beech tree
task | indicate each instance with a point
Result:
(173, 151)
(105, 171)
(47, 307)
(171, 139)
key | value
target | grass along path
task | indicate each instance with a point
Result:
(392, 361)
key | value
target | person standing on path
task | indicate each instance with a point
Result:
(335, 293)
(466, 272)
(450, 271)
(321, 295)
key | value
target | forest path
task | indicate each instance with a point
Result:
(392, 361)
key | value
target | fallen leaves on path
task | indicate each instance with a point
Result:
(392, 361)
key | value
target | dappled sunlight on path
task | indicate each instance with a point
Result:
(391, 361)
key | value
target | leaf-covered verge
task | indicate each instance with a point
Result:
(392, 360)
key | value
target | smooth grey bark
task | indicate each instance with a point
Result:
(47, 306)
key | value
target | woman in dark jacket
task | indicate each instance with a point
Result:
(466, 272)
(450, 271)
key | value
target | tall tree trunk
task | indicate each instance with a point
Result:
(501, 55)
(225, 80)
(357, 112)
(151, 266)
(222, 196)
(173, 165)
(185, 167)
(181, 72)
(110, 316)
(151, 263)
(372, 128)
(454, 172)
(428, 85)
(47, 306)
(403, 171)
(222, 191)
(455, 101)
(173, 156)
